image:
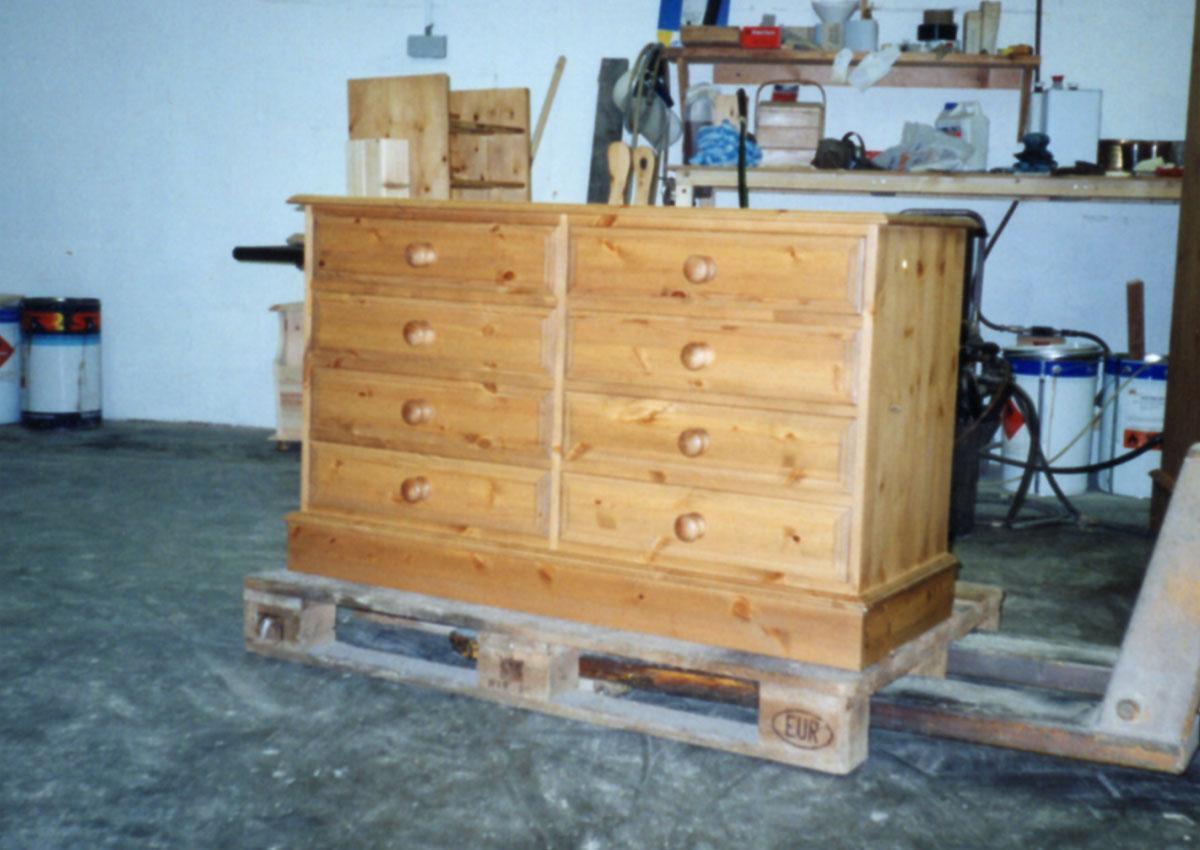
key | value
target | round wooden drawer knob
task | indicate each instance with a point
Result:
(415, 489)
(696, 355)
(419, 332)
(693, 442)
(699, 269)
(417, 411)
(690, 527)
(420, 254)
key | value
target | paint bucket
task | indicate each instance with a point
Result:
(10, 359)
(60, 368)
(1135, 398)
(1061, 380)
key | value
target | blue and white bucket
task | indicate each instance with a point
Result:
(10, 359)
(60, 379)
(1135, 399)
(1062, 381)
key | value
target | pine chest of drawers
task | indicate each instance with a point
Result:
(726, 426)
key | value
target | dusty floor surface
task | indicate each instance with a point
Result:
(130, 716)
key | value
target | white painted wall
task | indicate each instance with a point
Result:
(144, 139)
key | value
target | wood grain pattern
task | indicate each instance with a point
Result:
(454, 339)
(824, 630)
(909, 404)
(477, 255)
(783, 542)
(742, 359)
(460, 496)
(413, 109)
(746, 450)
(473, 420)
(489, 144)
(576, 440)
(631, 269)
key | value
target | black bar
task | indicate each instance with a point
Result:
(293, 254)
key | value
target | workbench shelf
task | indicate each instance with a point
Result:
(738, 66)
(974, 185)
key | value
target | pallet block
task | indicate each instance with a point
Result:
(806, 715)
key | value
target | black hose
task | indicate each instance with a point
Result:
(1036, 461)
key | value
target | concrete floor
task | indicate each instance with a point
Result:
(130, 716)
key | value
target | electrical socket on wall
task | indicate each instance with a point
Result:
(427, 46)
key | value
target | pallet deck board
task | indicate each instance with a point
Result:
(807, 715)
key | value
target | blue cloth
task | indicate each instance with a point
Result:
(718, 145)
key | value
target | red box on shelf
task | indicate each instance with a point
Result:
(761, 38)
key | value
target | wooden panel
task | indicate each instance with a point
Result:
(623, 265)
(761, 620)
(481, 254)
(460, 496)
(782, 542)
(377, 168)
(451, 340)
(484, 149)
(741, 359)
(1181, 423)
(476, 420)
(413, 109)
(904, 469)
(745, 450)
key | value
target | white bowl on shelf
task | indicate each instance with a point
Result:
(834, 11)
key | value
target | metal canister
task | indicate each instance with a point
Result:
(1061, 381)
(10, 359)
(60, 369)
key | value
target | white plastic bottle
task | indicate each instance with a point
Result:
(967, 122)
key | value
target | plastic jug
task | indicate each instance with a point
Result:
(967, 122)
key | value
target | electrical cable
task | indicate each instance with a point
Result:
(1012, 208)
(1099, 466)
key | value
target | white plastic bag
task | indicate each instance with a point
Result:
(874, 67)
(923, 147)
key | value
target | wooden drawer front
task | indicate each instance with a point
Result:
(458, 495)
(488, 255)
(777, 361)
(467, 419)
(766, 451)
(781, 540)
(399, 334)
(780, 270)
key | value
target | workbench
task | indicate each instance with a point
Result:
(736, 66)
(1013, 187)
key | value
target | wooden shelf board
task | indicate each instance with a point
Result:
(1014, 186)
(736, 66)
(706, 55)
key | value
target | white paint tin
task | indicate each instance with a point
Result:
(1135, 393)
(10, 359)
(60, 377)
(1061, 380)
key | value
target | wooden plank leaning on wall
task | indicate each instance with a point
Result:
(1181, 425)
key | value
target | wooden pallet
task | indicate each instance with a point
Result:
(803, 714)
